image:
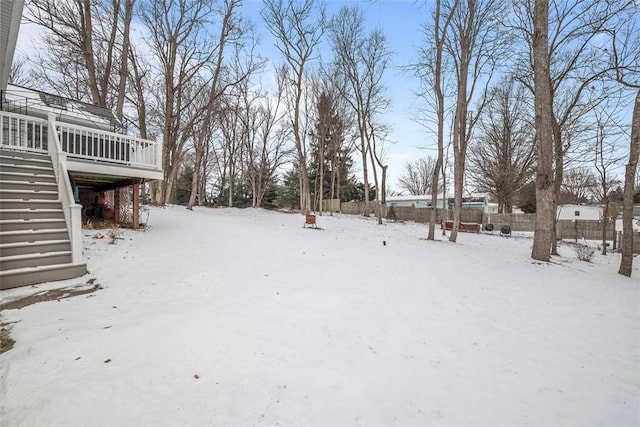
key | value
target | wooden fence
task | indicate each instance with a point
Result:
(566, 229)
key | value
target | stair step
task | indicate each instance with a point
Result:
(34, 260)
(31, 214)
(10, 159)
(31, 169)
(27, 177)
(37, 247)
(26, 185)
(24, 194)
(31, 224)
(34, 240)
(29, 204)
(24, 236)
(26, 155)
(32, 275)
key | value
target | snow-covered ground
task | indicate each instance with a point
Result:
(242, 317)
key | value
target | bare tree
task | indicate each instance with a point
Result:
(418, 176)
(233, 135)
(179, 36)
(502, 156)
(361, 60)
(576, 68)
(377, 136)
(431, 76)
(87, 43)
(625, 57)
(270, 150)
(18, 75)
(298, 32)
(579, 182)
(138, 90)
(474, 42)
(233, 35)
(605, 160)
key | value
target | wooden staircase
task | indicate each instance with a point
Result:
(34, 240)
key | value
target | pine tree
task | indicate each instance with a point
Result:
(331, 160)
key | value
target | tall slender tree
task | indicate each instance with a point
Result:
(361, 60)
(431, 73)
(298, 28)
(475, 42)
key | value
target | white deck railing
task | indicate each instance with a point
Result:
(28, 133)
(98, 145)
(23, 132)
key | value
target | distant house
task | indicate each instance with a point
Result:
(579, 212)
(472, 201)
(411, 201)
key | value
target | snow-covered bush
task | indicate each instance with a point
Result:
(584, 252)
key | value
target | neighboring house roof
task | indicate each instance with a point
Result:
(34, 102)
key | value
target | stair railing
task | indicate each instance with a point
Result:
(21, 132)
(72, 210)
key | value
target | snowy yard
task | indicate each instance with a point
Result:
(242, 317)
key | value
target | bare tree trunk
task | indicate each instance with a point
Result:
(605, 221)
(124, 65)
(365, 179)
(544, 141)
(139, 92)
(377, 212)
(445, 202)
(321, 184)
(626, 262)
(460, 140)
(87, 51)
(195, 179)
(439, 41)
(558, 177)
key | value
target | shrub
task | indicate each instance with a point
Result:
(6, 342)
(584, 252)
(391, 214)
(114, 233)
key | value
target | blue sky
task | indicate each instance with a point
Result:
(400, 20)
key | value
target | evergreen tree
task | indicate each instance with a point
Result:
(183, 186)
(289, 191)
(331, 160)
